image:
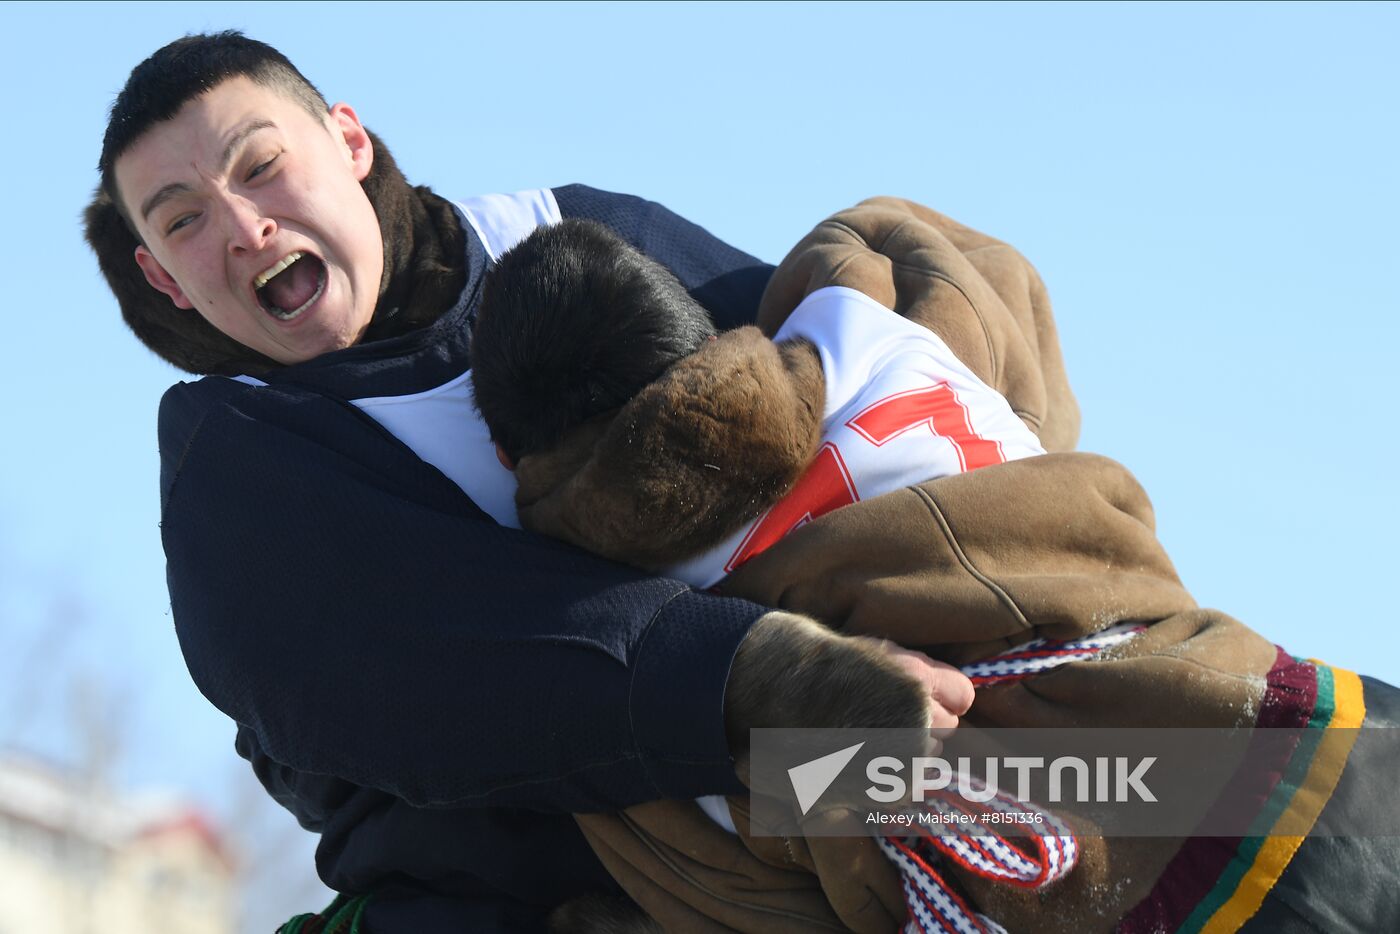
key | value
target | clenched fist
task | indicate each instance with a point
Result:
(793, 672)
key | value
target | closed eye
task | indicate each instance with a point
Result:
(259, 169)
(182, 221)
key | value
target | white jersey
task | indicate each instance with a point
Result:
(901, 408)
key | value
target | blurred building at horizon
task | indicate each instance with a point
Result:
(78, 858)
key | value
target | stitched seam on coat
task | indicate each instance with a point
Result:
(632, 685)
(1001, 595)
(522, 783)
(981, 321)
(637, 756)
(179, 469)
(836, 270)
(933, 274)
(687, 877)
(986, 334)
(222, 410)
(1029, 418)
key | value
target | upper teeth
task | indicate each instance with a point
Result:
(266, 275)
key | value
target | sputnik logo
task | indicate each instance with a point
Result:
(811, 779)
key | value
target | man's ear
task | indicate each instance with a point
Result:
(504, 458)
(357, 141)
(161, 280)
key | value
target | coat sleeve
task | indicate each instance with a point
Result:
(1056, 546)
(727, 281)
(352, 608)
(979, 295)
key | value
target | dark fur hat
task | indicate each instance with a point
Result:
(574, 321)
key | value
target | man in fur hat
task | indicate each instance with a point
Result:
(656, 442)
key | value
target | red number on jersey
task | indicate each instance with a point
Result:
(941, 410)
(826, 485)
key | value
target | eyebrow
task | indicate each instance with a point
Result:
(166, 192)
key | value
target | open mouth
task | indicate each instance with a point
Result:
(290, 286)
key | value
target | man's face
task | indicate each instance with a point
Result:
(238, 183)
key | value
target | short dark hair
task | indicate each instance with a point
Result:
(157, 88)
(573, 323)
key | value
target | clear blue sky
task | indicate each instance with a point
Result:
(1210, 192)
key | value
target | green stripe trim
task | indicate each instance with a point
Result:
(1301, 761)
(1324, 708)
(347, 919)
(341, 916)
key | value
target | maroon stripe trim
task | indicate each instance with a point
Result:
(1288, 701)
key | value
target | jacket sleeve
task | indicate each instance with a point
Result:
(1056, 546)
(979, 295)
(727, 281)
(346, 603)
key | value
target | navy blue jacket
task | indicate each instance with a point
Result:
(432, 692)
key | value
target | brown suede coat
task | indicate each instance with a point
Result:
(1060, 546)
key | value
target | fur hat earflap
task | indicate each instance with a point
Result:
(177, 335)
(182, 336)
